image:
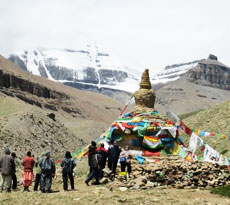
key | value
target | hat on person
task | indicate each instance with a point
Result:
(7, 150)
(47, 152)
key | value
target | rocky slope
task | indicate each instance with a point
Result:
(26, 102)
(88, 68)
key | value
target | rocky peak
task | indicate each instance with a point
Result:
(212, 57)
(210, 72)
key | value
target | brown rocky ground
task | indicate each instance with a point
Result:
(111, 193)
(105, 195)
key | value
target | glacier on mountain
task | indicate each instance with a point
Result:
(173, 72)
(87, 66)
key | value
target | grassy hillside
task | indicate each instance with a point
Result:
(215, 119)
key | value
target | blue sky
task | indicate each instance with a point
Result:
(141, 33)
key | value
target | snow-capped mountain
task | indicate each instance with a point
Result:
(87, 68)
(173, 72)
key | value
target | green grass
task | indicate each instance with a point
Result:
(10, 106)
(186, 115)
(82, 168)
(222, 191)
(215, 119)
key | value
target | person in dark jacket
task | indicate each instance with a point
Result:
(6, 166)
(68, 165)
(102, 156)
(48, 172)
(114, 153)
(14, 177)
(93, 164)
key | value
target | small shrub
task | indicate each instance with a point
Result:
(223, 191)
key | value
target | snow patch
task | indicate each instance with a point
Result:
(172, 73)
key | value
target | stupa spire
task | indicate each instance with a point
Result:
(145, 96)
(145, 82)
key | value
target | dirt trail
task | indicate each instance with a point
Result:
(110, 194)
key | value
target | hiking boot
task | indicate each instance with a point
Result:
(87, 183)
(96, 183)
(8, 190)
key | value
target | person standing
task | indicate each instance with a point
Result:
(114, 153)
(102, 156)
(93, 164)
(125, 160)
(48, 172)
(14, 177)
(38, 172)
(68, 164)
(6, 165)
(28, 176)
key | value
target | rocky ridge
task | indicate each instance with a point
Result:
(210, 72)
(206, 72)
(32, 93)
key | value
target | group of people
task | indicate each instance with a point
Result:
(44, 167)
(97, 158)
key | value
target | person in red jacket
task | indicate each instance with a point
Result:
(28, 163)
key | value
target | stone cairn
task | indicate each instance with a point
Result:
(167, 170)
(174, 172)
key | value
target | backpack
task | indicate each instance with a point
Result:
(46, 164)
(123, 159)
(68, 166)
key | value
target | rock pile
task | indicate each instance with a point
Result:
(177, 173)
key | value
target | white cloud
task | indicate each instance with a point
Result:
(144, 33)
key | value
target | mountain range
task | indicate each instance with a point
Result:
(183, 87)
(88, 68)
